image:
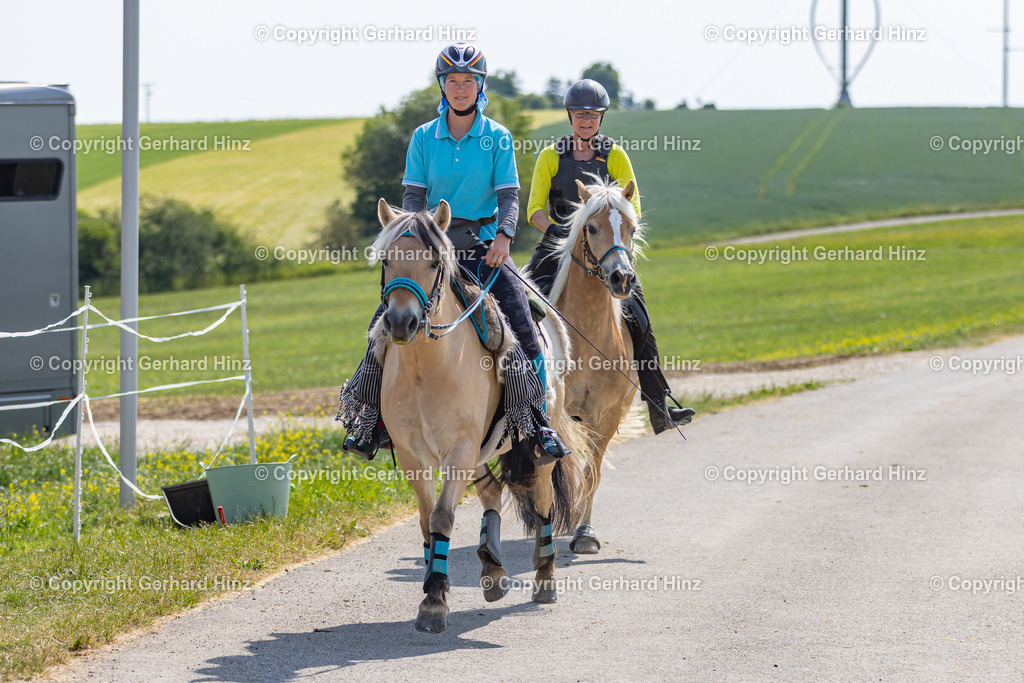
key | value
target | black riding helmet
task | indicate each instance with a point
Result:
(587, 94)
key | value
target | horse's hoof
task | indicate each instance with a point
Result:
(495, 586)
(430, 624)
(584, 541)
(432, 620)
(545, 596)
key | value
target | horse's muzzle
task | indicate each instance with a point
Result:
(621, 281)
(401, 325)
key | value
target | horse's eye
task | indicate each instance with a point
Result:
(592, 229)
(435, 264)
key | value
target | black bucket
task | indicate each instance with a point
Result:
(190, 503)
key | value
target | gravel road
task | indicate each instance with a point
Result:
(870, 529)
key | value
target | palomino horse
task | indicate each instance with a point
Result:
(588, 290)
(439, 395)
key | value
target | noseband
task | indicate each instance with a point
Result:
(428, 303)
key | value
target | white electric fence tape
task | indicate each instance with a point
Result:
(227, 308)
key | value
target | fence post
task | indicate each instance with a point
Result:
(127, 457)
(84, 348)
(248, 377)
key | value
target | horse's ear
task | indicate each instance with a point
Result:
(385, 214)
(629, 190)
(443, 215)
(584, 192)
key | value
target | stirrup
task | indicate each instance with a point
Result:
(681, 415)
(549, 447)
(368, 447)
(664, 417)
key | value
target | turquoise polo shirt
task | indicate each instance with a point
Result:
(467, 173)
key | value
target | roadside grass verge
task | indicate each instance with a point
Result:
(707, 403)
(133, 566)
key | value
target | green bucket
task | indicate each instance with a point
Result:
(249, 491)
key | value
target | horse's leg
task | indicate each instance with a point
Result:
(544, 548)
(433, 613)
(492, 573)
(584, 541)
(426, 496)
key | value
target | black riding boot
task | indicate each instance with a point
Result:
(653, 384)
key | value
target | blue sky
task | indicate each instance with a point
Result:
(208, 63)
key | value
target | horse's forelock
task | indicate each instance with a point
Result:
(423, 228)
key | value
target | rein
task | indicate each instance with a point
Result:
(450, 327)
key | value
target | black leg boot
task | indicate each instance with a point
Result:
(653, 384)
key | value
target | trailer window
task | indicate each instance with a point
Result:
(30, 180)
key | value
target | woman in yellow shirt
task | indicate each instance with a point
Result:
(558, 167)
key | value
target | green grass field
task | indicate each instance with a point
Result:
(98, 166)
(760, 171)
(276, 191)
(311, 332)
(756, 171)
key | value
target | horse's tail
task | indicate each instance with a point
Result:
(571, 476)
(633, 425)
(570, 479)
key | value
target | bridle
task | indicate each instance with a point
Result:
(433, 302)
(598, 269)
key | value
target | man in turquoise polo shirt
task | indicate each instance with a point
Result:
(466, 159)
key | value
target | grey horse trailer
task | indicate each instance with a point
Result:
(38, 254)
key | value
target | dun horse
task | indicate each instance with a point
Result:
(439, 395)
(588, 290)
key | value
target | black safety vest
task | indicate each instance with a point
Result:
(563, 185)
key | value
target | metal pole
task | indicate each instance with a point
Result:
(129, 248)
(84, 348)
(844, 93)
(248, 377)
